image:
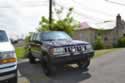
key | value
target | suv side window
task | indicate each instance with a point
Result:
(34, 37)
(31, 39)
(37, 37)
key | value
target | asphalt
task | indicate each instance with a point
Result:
(109, 68)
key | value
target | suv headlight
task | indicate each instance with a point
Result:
(7, 57)
(83, 48)
(89, 47)
(56, 51)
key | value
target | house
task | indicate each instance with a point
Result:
(109, 35)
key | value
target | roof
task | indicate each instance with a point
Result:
(83, 25)
(106, 25)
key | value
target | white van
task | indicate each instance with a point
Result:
(8, 61)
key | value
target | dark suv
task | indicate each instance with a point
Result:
(57, 48)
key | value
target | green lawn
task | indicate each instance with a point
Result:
(99, 53)
(20, 52)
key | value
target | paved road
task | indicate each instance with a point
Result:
(106, 69)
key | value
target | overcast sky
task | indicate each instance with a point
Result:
(22, 16)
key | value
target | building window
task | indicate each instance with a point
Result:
(98, 34)
(105, 38)
(124, 35)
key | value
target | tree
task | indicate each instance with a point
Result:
(27, 38)
(99, 44)
(67, 24)
(121, 42)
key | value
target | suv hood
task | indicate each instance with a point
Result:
(65, 42)
(6, 46)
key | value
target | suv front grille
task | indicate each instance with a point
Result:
(69, 49)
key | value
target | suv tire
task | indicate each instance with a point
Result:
(47, 69)
(31, 58)
(44, 66)
(84, 64)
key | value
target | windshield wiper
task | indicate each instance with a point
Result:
(63, 39)
(49, 40)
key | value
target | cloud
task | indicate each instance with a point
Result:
(8, 16)
(23, 16)
(32, 3)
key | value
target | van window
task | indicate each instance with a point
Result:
(3, 36)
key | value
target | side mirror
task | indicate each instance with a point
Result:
(39, 42)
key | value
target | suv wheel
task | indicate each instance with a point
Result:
(44, 67)
(31, 58)
(84, 64)
(48, 69)
(52, 70)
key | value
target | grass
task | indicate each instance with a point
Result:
(20, 52)
(99, 53)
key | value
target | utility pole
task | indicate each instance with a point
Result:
(50, 14)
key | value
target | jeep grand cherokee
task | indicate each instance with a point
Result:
(58, 48)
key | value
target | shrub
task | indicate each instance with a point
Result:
(121, 42)
(27, 39)
(99, 44)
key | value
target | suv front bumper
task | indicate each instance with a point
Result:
(71, 58)
(8, 71)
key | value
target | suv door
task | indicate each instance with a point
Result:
(35, 45)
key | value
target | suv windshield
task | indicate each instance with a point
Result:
(3, 36)
(51, 36)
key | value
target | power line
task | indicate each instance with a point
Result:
(115, 2)
(92, 10)
(29, 4)
(33, 3)
(6, 7)
(76, 12)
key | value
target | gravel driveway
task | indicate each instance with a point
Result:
(106, 69)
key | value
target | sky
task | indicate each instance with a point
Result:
(23, 16)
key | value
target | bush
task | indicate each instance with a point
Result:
(121, 42)
(99, 44)
(27, 39)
